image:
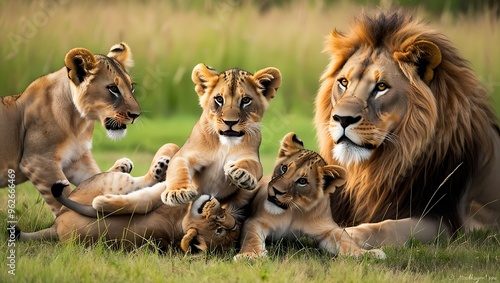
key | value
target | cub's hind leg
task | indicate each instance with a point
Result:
(142, 198)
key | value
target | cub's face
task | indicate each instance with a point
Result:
(102, 89)
(235, 100)
(301, 178)
(209, 226)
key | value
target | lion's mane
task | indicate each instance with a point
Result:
(426, 169)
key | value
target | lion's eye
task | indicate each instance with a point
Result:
(380, 89)
(220, 231)
(219, 100)
(114, 90)
(343, 82)
(283, 168)
(245, 101)
(302, 182)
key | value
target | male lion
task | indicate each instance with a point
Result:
(406, 116)
(47, 129)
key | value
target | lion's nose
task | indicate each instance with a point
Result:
(231, 123)
(345, 121)
(133, 115)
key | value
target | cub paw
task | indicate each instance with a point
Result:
(178, 197)
(240, 177)
(249, 256)
(107, 203)
(123, 165)
(159, 170)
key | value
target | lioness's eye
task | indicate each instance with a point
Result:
(114, 90)
(219, 100)
(245, 101)
(302, 181)
(132, 88)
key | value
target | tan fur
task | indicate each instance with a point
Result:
(201, 225)
(47, 129)
(296, 202)
(220, 157)
(423, 138)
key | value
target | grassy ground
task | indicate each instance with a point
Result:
(168, 41)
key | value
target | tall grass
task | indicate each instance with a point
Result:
(168, 40)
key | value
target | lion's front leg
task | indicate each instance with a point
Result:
(397, 232)
(244, 173)
(253, 239)
(179, 187)
(44, 172)
(338, 241)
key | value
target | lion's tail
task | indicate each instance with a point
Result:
(85, 210)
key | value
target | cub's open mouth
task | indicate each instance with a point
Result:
(275, 201)
(348, 141)
(113, 125)
(231, 133)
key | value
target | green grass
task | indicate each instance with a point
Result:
(167, 42)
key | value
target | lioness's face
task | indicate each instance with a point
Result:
(102, 89)
(369, 102)
(235, 100)
(209, 226)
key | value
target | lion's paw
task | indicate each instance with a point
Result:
(249, 256)
(376, 253)
(159, 170)
(178, 197)
(108, 202)
(240, 177)
(123, 165)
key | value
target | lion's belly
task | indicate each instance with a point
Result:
(213, 182)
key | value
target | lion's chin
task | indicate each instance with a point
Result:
(273, 208)
(116, 134)
(347, 153)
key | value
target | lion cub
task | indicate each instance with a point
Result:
(221, 155)
(202, 225)
(297, 201)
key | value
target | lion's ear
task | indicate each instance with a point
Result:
(425, 55)
(333, 177)
(290, 144)
(203, 76)
(269, 80)
(80, 63)
(191, 242)
(121, 52)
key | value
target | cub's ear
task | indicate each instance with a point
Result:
(333, 177)
(80, 63)
(425, 55)
(121, 52)
(269, 80)
(290, 144)
(203, 77)
(191, 242)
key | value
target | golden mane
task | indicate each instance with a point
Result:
(448, 122)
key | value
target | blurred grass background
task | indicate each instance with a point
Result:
(168, 38)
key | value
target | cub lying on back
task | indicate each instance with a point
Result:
(297, 201)
(47, 129)
(221, 156)
(201, 225)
